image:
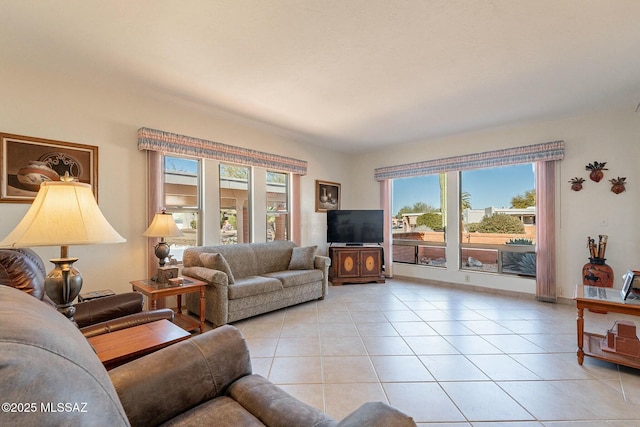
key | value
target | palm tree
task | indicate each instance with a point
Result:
(465, 201)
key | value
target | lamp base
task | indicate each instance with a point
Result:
(162, 251)
(63, 284)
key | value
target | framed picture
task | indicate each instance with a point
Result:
(327, 196)
(626, 284)
(26, 162)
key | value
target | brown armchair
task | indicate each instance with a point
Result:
(24, 269)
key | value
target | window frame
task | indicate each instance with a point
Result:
(247, 208)
(502, 251)
(181, 210)
(279, 212)
(422, 248)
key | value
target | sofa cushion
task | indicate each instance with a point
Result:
(240, 258)
(291, 278)
(253, 285)
(302, 258)
(216, 261)
(272, 256)
(245, 259)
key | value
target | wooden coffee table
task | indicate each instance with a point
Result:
(115, 348)
(155, 291)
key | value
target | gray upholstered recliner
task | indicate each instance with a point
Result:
(50, 374)
(23, 269)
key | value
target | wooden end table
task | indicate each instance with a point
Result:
(601, 299)
(115, 348)
(155, 290)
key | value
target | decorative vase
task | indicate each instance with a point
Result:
(323, 196)
(617, 188)
(596, 175)
(597, 273)
(576, 183)
(34, 174)
(617, 184)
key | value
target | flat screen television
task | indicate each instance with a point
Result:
(355, 227)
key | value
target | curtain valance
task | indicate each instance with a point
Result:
(167, 142)
(509, 156)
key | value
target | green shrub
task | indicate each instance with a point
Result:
(472, 227)
(431, 220)
(523, 264)
(501, 223)
(519, 242)
(519, 263)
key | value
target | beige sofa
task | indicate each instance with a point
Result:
(248, 279)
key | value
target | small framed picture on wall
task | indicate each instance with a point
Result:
(327, 196)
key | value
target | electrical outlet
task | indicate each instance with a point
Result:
(467, 278)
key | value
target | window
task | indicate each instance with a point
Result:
(235, 224)
(182, 199)
(498, 211)
(277, 206)
(419, 220)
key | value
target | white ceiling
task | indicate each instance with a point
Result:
(350, 74)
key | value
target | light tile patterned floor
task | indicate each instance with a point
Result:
(448, 357)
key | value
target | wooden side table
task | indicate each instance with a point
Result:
(601, 299)
(154, 291)
(115, 348)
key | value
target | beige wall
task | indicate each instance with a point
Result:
(54, 107)
(612, 137)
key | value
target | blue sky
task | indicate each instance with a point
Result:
(181, 164)
(488, 187)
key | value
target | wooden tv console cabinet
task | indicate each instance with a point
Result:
(355, 264)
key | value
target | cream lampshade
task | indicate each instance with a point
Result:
(162, 226)
(63, 213)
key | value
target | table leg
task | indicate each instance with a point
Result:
(201, 309)
(154, 302)
(580, 321)
(179, 298)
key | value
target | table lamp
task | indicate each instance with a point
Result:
(162, 226)
(63, 213)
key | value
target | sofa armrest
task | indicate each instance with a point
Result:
(377, 414)
(164, 384)
(127, 322)
(107, 308)
(322, 263)
(209, 275)
(216, 293)
(273, 406)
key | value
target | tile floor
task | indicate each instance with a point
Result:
(447, 357)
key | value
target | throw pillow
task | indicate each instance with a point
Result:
(302, 258)
(217, 262)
